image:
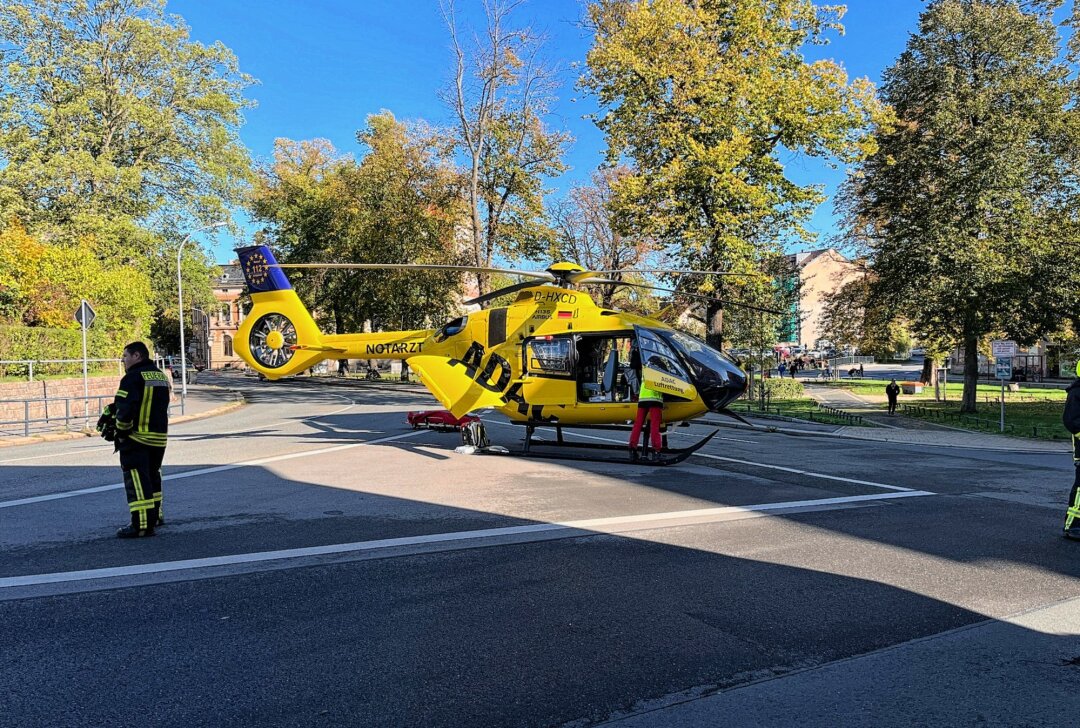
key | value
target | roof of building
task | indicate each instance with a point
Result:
(803, 259)
(231, 275)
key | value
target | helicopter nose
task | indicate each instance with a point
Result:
(735, 383)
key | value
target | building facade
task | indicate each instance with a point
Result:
(819, 274)
(215, 330)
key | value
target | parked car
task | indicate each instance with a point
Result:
(172, 363)
(440, 420)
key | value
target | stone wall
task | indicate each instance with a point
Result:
(47, 401)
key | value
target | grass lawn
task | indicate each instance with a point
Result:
(1031, 412)
(804, 408)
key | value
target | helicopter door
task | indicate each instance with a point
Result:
(600, 369)
(660, 366)
(548, 372)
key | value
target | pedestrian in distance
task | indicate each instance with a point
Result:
(137, 422)
(1071, 419)
(651, 409)
(892, 391)
(343, 367)
(781, 370)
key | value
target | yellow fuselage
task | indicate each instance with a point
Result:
(478, 361)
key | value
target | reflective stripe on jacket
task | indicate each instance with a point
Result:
(142, 405)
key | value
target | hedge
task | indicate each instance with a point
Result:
(39, 342)
(781, 388)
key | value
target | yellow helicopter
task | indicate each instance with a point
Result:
(552, 358)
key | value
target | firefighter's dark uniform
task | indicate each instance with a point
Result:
(141, 408)
(1071, 419)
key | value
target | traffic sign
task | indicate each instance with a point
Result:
(1004, 347)
(1003, 367)
(85, 314)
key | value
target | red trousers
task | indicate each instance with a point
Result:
(655, 412)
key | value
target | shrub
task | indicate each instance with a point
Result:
(781, 388)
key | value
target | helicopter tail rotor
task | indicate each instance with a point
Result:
(279, 337)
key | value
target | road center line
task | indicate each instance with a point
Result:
(612, 524)
(207, 471)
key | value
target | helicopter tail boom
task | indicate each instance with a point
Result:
(279, 337)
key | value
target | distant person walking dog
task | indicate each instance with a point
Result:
(1071, 419)
(893, 393)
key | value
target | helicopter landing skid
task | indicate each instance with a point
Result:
(666, 456)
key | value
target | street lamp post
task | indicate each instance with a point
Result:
(180, 299)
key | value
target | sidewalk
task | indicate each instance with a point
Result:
(202, 401)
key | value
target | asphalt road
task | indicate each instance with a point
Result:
(325, 565)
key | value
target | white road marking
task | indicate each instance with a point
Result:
(613, 524)
(812, 474)
(207, 471)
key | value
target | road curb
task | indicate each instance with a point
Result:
(75, 435)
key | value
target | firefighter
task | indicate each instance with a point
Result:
(139, 426)
(1071, 419)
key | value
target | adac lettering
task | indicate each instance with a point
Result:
(397, 347)
(554, 297)
(484, 373)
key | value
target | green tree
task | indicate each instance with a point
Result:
(500, 95)
(107, 110)
(963, 208)
(118, 135)
(703, 99)
(398, 204)
(41, 285)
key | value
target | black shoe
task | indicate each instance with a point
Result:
(1072, 533)
(634, 457)
(160, 523)
(132, 532)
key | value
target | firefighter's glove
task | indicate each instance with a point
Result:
(106, 424)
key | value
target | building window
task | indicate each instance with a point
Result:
(227, 341)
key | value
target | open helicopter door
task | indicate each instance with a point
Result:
(660, 366)
(548, 374)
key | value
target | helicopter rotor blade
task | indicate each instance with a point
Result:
(537, 275)
(679, 271)
(611, 282)
(501, 292)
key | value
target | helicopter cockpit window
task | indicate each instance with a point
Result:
(655, 353)
(707, 362)
(450, 329)
(549, 356)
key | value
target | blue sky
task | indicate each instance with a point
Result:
(324, 65)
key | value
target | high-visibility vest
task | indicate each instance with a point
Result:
(645, 394)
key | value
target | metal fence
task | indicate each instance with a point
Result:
(58, 414)
(25, 367)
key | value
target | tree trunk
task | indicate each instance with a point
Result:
(971, 373)
(714, 324)
(929, 372)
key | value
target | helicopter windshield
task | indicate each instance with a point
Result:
(717, 377)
